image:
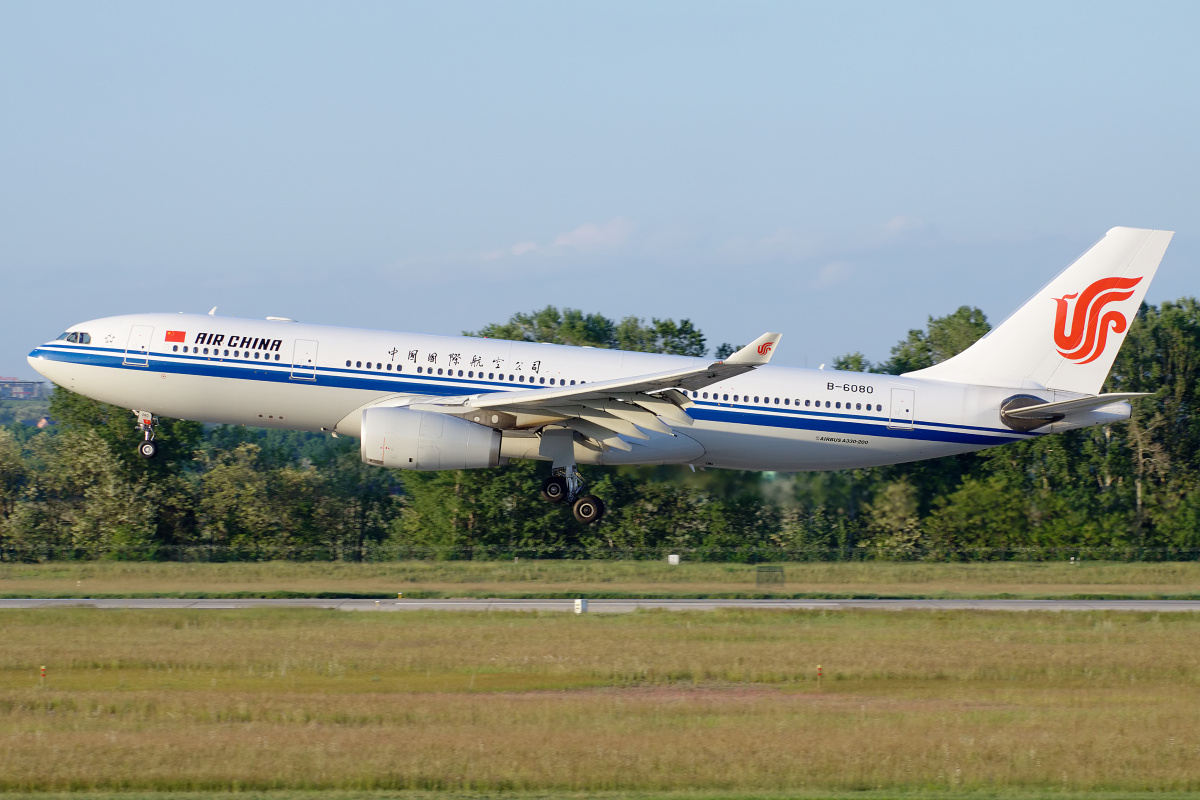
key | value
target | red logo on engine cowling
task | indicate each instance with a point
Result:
(1081, 333)
(765, 348)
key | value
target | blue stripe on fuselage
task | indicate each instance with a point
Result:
(407, 383)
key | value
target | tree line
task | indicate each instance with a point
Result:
(76, 489)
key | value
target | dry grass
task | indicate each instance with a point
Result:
(645, 702)
(598, 578)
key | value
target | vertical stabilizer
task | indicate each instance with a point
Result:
(1067, 336)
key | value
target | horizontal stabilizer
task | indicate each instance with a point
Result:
(1068, 407)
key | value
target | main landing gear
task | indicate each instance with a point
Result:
(145, 423)
(567, 484)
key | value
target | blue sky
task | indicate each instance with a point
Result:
(835, 171)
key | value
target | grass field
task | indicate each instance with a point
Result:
(598, 579)
(705, 704)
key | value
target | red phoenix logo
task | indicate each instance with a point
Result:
(1082, 332)
(765, 348)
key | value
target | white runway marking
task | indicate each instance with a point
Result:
(614, 606)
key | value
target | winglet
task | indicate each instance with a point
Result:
(757, 352)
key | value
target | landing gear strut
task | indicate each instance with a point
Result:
(145, 422)
(565, 483)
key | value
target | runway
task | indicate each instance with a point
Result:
(616, 606)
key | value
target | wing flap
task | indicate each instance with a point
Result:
(598, 432)
(631, 413)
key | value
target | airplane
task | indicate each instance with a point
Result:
(423, 402)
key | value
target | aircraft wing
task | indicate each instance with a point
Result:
(606, 410)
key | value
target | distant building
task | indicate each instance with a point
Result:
(17, 389)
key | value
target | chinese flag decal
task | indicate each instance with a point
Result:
(176, 336)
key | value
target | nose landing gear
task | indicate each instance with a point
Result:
(145, 423)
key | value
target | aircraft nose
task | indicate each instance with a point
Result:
(36, 360)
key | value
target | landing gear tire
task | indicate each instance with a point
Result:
(554, 490)
(588, 509)
(148, 449)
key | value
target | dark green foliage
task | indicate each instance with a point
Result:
(942, 338)
(117, 428)
(571, 326)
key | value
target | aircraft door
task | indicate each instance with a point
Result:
(304, 360)
(902, 409)
(137, 349)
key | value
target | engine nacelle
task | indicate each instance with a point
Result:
(401, 438)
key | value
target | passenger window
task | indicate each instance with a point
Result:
(838, 404)
(511, 379)
(776, 401)
(491, 376)
(419, 369)
(858, 406)
(439, 370)
(256, 356)
(522, 379)
(706, 395)
(756, 398)
(725, 397)
(827, 404)
(356, 363)
(460, 373)
(806, 402)
(347, 363)
(541, 380)
(277, 358)
(735, 398)
(175, 348)
(552, 381)
(389, 367)
(572, 383)
(787, 402)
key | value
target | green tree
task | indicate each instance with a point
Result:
(118, 428)
(82, 503)
(853, 362)
(892, 520)
(987, 513)
(571, 326)
(252, 511)
(943, 338)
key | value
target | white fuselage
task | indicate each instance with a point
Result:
(287, 374)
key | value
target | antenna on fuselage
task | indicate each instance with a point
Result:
(213, 313)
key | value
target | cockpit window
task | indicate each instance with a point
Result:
(77, 337)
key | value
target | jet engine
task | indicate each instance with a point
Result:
(402, 438)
